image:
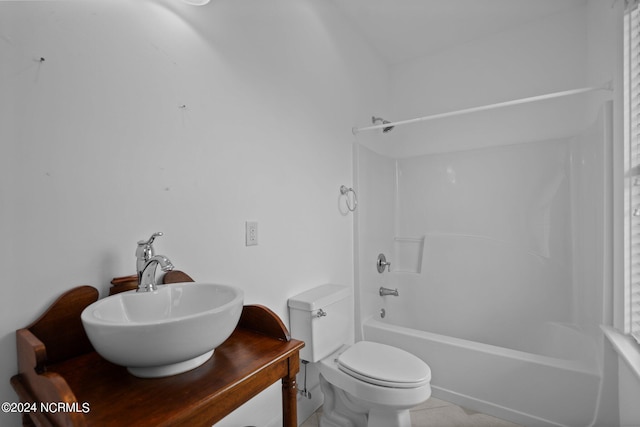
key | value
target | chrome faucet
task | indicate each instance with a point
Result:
(147, 262)
(387, 291)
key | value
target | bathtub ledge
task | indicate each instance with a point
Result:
(626, 347)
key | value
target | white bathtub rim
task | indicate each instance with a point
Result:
(521, 414)
(572, 365)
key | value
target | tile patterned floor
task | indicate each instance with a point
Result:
(438, 413)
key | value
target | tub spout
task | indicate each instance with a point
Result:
(386, 291)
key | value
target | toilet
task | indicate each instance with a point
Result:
(365, 384)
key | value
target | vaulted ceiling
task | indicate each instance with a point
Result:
(404, 29)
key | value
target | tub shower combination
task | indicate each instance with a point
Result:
(529, 388)
(492, 270)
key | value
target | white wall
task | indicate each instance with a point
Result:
(98, 153)
(629, 390)
(544, 56)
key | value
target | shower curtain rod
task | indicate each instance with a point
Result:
(607, 86)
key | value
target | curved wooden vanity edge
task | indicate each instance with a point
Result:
(262, 320)
(60, 327)
(34, 384)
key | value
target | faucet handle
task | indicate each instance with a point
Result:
(382, 263)
(151, 239)
(144, 250)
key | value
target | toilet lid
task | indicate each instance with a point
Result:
(384, 365)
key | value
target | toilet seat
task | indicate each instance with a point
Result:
(383, 365)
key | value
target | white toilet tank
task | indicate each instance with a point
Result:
(321, 317)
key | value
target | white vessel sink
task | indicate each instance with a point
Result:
(164, 332)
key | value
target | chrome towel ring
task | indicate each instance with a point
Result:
(352, 203)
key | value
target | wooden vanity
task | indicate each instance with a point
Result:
(62, 381)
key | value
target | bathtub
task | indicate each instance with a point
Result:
(558, 387)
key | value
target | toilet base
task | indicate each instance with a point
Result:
(341, 409)
(385, 418)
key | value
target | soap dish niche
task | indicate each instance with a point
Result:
(408, 254)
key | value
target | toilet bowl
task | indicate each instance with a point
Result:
(365, 384)
(372, 385)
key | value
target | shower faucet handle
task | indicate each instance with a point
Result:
(382, 263)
